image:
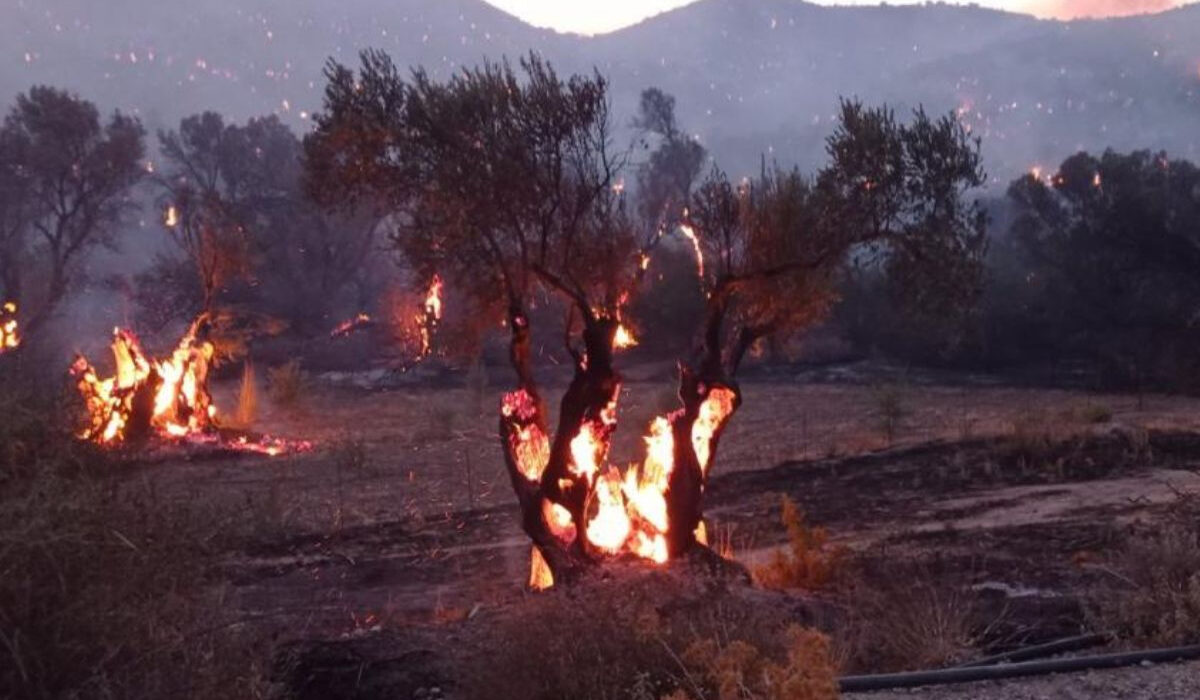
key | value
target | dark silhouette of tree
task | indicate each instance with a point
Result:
(665, 180)
(205, 190)
(65, 182)
(234, 203)
(505, 183)
(1110, 247)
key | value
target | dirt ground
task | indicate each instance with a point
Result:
(401, 517)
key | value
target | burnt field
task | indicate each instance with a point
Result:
(962, 518)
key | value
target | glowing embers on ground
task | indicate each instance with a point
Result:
(10, 332)
(166, 399)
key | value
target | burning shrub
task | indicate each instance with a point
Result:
(807, 562)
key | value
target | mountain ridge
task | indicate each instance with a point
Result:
(751, 76)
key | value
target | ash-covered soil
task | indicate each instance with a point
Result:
(387, 558)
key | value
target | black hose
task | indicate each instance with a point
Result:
(885, 681)
(1039, 651)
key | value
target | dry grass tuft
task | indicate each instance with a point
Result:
(287, 383)
(1096, 414)
(247, 401)
(808, 562)
(901, 619)
(890, 409)
(1151, 596)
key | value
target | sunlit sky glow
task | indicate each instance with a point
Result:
(598, 16)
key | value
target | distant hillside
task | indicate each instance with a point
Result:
(751, 76)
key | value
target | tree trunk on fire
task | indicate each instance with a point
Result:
(544, 473)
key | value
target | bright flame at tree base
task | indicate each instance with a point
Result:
(629, 514)
(167, 399)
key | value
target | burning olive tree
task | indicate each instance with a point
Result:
(506, 183)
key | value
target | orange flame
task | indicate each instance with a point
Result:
(10, 334)
(631, 514)
(431, 313)
(624, 338)
(529, 442)
(540, 576)
(180, 403)
(714, 411)
(171, 217)
(350, 325)
(433, 298)
(690, 234)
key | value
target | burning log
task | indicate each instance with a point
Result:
(351, 325)
(10, 335)
(144, 397)
(165, 399)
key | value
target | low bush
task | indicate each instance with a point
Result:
(807, 562)
(287, 383)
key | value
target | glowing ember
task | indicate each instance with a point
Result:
(10, 335)
(529, 442)
(171, 217)
(624, 338)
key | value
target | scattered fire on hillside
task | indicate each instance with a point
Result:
(166, 399)
(10, 333)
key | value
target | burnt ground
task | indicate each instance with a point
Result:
(383, 557)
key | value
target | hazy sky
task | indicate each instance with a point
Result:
(592, 16)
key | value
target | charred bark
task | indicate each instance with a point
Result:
(542, 472)
(697, 384)
(589, 400)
